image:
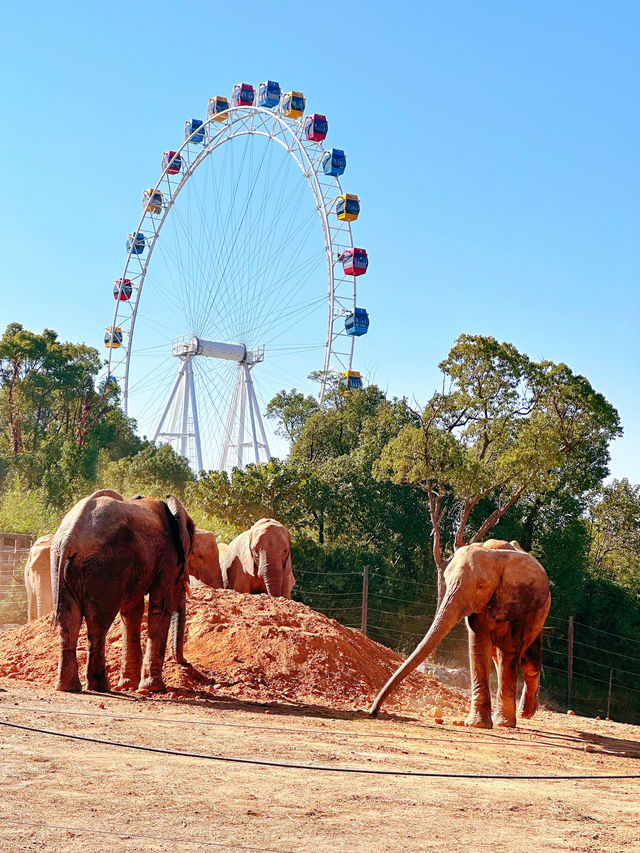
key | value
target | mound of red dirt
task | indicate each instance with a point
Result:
(251, 647)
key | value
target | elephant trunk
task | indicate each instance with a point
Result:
(270, 574)
(446, 618)
(44, 598)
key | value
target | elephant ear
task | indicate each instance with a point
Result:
(245, 544)
(182, 528)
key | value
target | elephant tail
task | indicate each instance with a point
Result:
(61, 557)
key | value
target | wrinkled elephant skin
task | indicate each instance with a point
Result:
(504, 594)
(37, 579)
(259, 560)
(106, 555)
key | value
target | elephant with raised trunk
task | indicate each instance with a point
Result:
(504, 594)
(106, 555)
(259, 560)
(37, 579)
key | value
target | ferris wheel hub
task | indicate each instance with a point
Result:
(190, 345)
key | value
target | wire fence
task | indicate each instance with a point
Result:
(586, 669)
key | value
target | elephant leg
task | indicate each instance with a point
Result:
(97, 627)
(507, 669)
(480, 649)
(69, 621)
(159, 619)
(531, 668)
(131, 663)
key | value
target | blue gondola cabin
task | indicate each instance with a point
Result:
(113, 337)
(269, 94)
(243, 95)
(152, 201)
(356, 323)
(351, 379)
(123, 293)
(354, 261)
(347, 207)
(216, 106)
(108, 384)
(193, 130)
(334, 162)
(293, 104)
(316, 127)
(172, 162)
(135, 243)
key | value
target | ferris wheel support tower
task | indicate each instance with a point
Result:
(183, 398)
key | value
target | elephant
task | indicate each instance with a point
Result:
(259, 560)
(37, 579)
(106, 555)
(504, 594)
(203, 562)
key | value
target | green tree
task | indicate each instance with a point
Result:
(504, 428)
(614, 527)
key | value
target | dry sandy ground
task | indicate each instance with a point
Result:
(71, 795)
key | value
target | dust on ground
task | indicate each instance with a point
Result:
(274, 681)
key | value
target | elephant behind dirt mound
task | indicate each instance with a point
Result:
(106, 555)
(504, 593)
(37, 579)
(259, 560)
(203, 562)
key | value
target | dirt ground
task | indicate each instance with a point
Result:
(64, 794)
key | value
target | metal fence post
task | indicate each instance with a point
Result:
(570, 662)
(365, 597)
(609, 697)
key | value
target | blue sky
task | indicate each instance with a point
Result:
(494, 147)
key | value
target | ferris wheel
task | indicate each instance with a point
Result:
(245, 255)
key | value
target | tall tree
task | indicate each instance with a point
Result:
(503, 427)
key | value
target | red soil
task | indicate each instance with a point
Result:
(254, 648)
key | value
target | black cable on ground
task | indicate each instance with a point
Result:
(319, 767)
(402, 738)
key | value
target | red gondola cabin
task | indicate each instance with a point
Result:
(172, 162)
(123, 293)
(316, 127)
(243, 95)
(354, 261)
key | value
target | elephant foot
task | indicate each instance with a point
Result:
(478, 721)
(154, 684)
(527, 713)
(504, 722)
(98, 684)
(126, 683)
(69, 684)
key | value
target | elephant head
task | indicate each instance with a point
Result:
(270, 547)
(503, 582)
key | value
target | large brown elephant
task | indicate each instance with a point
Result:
(504, 594)
(37, 579)
(259, 560)
(106, 555)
